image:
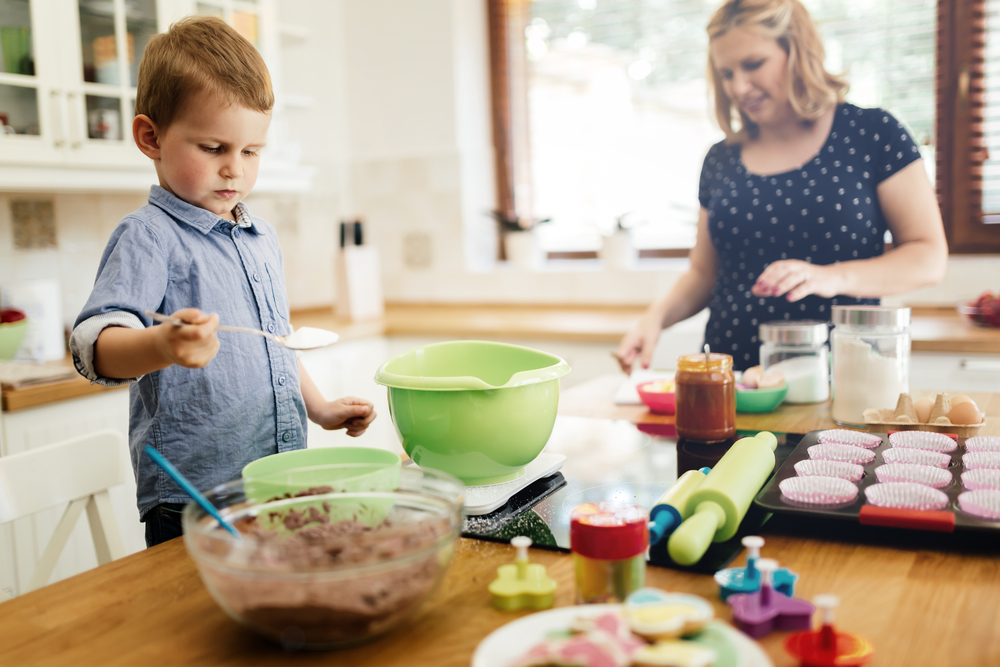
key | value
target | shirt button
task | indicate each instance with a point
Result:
(270, 327)
(236, 233)
(286, 436)
(256, 277)
(281, 380)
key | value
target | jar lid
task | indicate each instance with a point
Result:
(608, 531)
(697, 362)
(871, 316)
(795, 332)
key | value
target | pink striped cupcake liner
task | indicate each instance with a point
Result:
(926, 440)
(852, 472)
(842, 436)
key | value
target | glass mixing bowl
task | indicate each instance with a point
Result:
(326, 569)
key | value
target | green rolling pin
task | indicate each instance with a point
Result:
(716, 508)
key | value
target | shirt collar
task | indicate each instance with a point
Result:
(197, 217)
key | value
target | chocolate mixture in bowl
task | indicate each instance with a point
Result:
(335, 581)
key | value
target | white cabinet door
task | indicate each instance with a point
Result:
(955, 372)
(32, 108)
(22, 541)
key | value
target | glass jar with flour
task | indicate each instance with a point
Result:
(798, 349)
(871, 360)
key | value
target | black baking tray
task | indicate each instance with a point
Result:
(770, 497)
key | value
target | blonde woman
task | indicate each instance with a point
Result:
(796, 200)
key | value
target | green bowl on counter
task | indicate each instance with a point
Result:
(11, 335)
(476, 409)
(343, 469)
(760, 400)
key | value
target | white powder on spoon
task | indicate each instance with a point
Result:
(310, 338)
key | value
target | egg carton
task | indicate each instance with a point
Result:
(904, 418)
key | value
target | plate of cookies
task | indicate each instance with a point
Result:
(653, 628)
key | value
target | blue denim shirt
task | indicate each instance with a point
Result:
(246, 403)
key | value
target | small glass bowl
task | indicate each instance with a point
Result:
(331, 569)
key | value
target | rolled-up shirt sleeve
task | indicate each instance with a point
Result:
(131, 279)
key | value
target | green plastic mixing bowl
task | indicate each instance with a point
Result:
(478, 410)
(343, 469)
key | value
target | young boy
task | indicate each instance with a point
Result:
(202, 112)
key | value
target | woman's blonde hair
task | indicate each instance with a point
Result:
(812, 91)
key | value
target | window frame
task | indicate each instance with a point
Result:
(960, 102)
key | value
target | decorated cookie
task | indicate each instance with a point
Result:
(602, 641)
(656, 615)
(674, 653)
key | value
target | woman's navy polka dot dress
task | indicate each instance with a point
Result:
(823, 212)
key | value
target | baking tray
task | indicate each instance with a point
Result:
(949, 519)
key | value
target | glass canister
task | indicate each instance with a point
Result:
(609, 542)
(705, 397)
(871, 360)
(798, 350)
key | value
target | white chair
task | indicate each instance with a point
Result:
(78, 471)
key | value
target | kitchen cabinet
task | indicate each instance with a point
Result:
(23, 541)
(955, 372)
(67, 91)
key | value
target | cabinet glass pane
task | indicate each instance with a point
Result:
(245, 23)
(104, 118)
(18, 110)
(97, 40)
(15, 37)
(140, 19)
(208, 9)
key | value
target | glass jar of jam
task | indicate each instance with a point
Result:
(706, 397)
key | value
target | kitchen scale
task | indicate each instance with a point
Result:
(486, 498)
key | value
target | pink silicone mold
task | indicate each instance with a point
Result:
(906, 495)
(974, 460)
(918, 456)
(852, 472)
(981, 478)
(914, 472)
(984, 503)
(926, 440)
(842, 436)
(818, 490)
(983, 443)
(844, 453)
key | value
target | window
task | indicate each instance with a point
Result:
(969, 123)
(609, 118)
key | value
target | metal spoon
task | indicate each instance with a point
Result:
(305, 338)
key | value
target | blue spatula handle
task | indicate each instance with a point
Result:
(189, 489)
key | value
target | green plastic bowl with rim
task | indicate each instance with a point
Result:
(760, 400)
(476, 409)
(344, 469)
(11, 336)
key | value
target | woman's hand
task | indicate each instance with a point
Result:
(797, 279)
(351, 413)
(640, 342)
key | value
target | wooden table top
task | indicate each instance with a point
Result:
(922, 599)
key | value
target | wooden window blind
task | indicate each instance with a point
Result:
(969, 124)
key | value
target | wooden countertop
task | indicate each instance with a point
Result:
(933, 330)
(595, 398)
(922, 600)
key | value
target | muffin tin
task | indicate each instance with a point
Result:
(901, 478)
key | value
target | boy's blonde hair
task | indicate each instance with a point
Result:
(200, 54)
(812, 91)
